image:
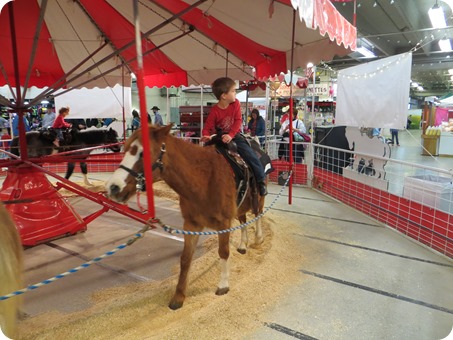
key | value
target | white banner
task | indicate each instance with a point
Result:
(375, 94)
(96, 102)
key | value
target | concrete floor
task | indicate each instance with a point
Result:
(368, 283)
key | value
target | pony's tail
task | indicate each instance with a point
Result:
(10, 272)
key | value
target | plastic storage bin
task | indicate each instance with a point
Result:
(430, 190)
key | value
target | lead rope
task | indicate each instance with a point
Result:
(171, 230)
(138, 235)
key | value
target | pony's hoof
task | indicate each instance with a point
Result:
(259, 241)
(242, 251)
(222, 291)
(174, 305)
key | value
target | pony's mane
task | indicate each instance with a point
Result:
(135, 135)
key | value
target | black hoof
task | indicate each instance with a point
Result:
(175, 305)
(222, 291)
(242, 251)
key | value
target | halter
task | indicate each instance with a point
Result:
(140, 176)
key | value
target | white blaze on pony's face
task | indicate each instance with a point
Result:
(122, 185)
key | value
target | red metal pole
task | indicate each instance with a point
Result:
(19, 102)
(143, 116)
(290, 116)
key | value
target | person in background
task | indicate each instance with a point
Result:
(257, 126)
(157, 117)
(409, 122)
(107, 121)
(394, 133)
(77, 123)
(60, 123)
(92, 122)
(226, 116)
(298, 126)
(135, 120)
(5, 141)
(16, 124)
(3, 122)
(48, 119)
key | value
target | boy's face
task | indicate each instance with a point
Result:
(230, 96)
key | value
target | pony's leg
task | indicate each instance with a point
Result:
(69, 170)
(258, 232)
(258, 229)
(244, 239)
(84, 168)
(190, 243)
(224, 253)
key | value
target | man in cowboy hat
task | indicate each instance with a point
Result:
(157, 117)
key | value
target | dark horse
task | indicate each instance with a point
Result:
(40, 143)
(207, 194)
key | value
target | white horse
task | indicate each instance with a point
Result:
(364, 144)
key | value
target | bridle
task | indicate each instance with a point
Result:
(140, 176)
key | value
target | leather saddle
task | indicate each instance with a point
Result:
(243, 175)
(50, 134)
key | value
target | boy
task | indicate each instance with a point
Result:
(226, 115)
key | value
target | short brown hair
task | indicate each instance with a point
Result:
(63, 110)
(221, 86)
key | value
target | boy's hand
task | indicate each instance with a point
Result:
(205, 139)
(226, 139)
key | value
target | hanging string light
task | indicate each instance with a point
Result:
(380, 69)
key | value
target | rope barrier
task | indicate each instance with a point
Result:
(135, 238)
(171, 230)
(76, 269)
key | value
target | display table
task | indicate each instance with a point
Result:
(446, 144)
(430, 145)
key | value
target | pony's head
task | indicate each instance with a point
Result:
(129, 177)
(111, 137)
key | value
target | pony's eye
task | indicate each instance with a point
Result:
(141, 154)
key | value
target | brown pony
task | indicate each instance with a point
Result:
(207, 194)
(10, 272)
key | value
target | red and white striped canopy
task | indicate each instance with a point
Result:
(239, 38)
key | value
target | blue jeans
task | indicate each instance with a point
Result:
(246, 152)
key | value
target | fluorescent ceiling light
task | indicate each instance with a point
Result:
(437, 17)
(445, 45)
(365, 52)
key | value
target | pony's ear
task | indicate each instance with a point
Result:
(163, 131)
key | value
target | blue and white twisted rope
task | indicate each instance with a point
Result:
(187, 232)
(76, 269)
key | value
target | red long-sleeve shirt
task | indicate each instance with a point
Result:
(229, 120)
(59, 123)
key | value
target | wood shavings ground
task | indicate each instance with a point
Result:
(258, 280)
